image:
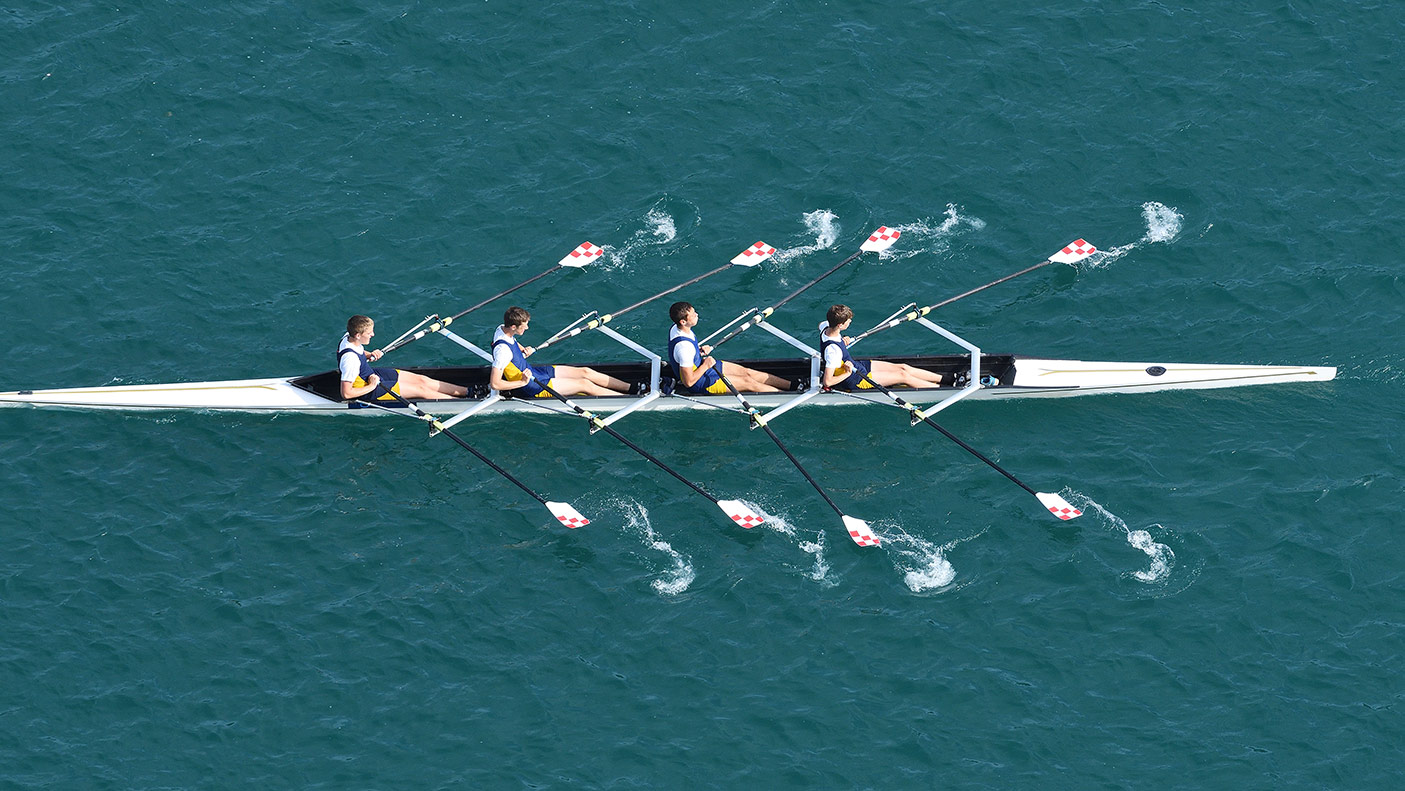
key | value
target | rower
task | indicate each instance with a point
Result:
(511, 373)
(843, 372)
(697, 374)
(359, 379)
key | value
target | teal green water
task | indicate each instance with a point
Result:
(217, 601)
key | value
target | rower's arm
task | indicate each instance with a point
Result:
(692, 375)
(835, 376)
(497, 382)
(349, 390)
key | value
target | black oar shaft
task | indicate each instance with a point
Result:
(455, 437)
(920, 312)
(762, 315)
(680, 286)
(442, 323)
(772, 434)
(502, 294)
(600, 424)
(925, 419)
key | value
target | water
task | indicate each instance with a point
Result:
(234, 601)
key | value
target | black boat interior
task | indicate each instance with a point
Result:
(475, 377)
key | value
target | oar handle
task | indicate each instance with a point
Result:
(444, 323)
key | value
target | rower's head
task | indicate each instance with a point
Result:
(515, 319)
(839, 317)
(358, 324)
(681, 312)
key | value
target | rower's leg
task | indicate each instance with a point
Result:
(568, 385)
(899, 374)
(594, 377)
(752, 380)
(416, 386)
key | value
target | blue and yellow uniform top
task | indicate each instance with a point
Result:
(836, 355)
(360, 376)
(683, 349)
(508, 358)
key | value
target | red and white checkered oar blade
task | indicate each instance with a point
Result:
(567, 515)
(739, 512)
(1075, 251)
(582, 255)
(1058, 506)
(860, 532)
(881, 240)
(754, 254)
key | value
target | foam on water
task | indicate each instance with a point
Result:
(658, 228)
(824, 224)
(1162, 558)
(929, 236)
(819, 570)
(680, 575)
(922, 563)
(1163, 224)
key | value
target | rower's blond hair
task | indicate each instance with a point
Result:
(358, 324)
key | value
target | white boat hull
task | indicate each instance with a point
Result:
(1022, 377)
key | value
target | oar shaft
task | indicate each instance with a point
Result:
(764, 314)
(761, 421)
(925, 419)
(920, 312)
(609, 317)
(600, 424)
(455, 437)
(441, 324)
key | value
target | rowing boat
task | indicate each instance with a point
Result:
(1005, 377)
(973, 375)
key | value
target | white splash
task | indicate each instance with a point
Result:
(675, 580)
(819, 570)
(824, 224)
(1162, 558)
(923, 564)
(659, 229)
(1163, 224)
(927, 236)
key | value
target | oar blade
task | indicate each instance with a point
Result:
(1075, 251)
(860, 532)
(567, 515)
(739, 512)
(1058, 506)
(582, 255)
(754, 254)
(880, 240)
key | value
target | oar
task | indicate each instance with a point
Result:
(1057, 505)
(857, 528)
(734, 509)
(749, 257)
(878, 241)
(584, 254)
(563, 512)
(1073, 252)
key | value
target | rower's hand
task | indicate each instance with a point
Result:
(708, 362)
(527, 350)
(374, 381)
(375, 355)
(706, 349)
(848, 340)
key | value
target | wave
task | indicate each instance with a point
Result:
(1163, 225)
(1162, 558)
(824, 224)
(671, 581)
